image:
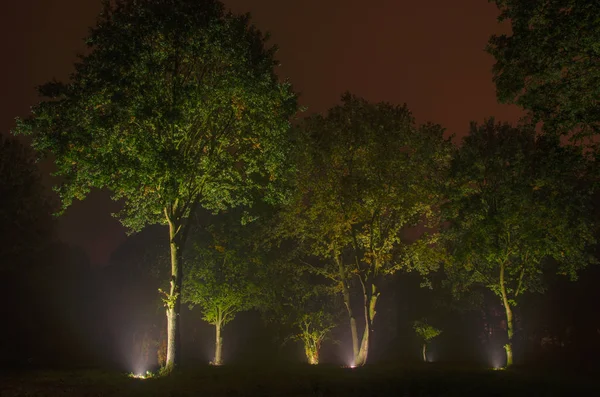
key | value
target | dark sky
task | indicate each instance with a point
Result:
(427, 53)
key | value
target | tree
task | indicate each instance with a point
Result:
(519, 203)
(25, 210)
(366, 174)
(298, 301)
(220, 279)
(550, 63)
(425, 333)
(314, 328)
(175, 107)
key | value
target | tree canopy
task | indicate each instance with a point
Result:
(550, 63)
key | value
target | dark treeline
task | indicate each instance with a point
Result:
(352, 237)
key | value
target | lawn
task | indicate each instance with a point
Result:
(304, 381)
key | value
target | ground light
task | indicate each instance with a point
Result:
(141, 375)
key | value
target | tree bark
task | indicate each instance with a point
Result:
(425, 352)
(370, 302)
(347, 303)
(218, 344)
(509, 318)
(173, 301)
(311, 348)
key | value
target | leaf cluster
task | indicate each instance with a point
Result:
(550, 63)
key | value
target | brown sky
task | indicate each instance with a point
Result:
(427, 53)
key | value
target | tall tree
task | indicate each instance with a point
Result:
(550, 62)
(175, 106)
(220, 279)
(366, 174)
(519, 203)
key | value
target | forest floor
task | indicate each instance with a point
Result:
(232, 381)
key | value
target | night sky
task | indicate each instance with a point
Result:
(426, 53)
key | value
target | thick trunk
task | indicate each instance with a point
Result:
(509, 319)
(370, 302)
(347, 303)
(311, 349)
(424, 352)
(218, 344)
(173, 300)
(361, 359)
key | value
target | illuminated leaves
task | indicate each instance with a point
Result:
(366, 173)
(520, 201)
(220, 271)
(172, 103)
(425, 331)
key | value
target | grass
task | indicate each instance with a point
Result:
(236, 381)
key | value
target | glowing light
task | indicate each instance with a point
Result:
(142, 375)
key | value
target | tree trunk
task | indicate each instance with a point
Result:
(347, 303)
(509, 319)
(425, 352)
(370, 302)
(173, 300)
(218, 344)
(311, 348)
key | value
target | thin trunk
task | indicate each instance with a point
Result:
(425, 352)
(173, 301)
(218, 360)
(509, 318)
(218, 343)
(347, 303)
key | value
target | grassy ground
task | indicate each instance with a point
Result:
(304, 381)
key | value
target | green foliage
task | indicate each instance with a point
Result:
(366, 173)
(548, 65)
(424, 331)
(175, 104)
(300, 302)
(220, 272)
(365, 176)
(518, 203)
(314, 328)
